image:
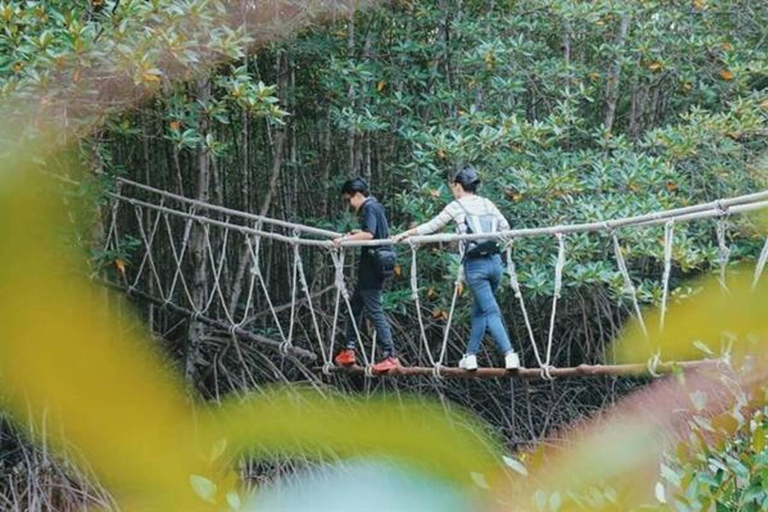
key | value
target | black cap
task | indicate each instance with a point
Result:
(354, 185)
(466, 176)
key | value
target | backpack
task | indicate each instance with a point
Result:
(484, 223)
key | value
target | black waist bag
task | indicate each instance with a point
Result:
(385, 259)
(482, 250)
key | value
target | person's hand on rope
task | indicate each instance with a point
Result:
(402, 236)
(336, 242)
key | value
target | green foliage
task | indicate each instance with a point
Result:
(730, 473)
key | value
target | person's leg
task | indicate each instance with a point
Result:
(479, 286)
(375, 311)
(356, 303)
(495, 322)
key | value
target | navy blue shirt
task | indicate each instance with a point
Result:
(373, 220)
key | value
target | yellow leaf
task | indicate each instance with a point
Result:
(654, 65)
(671, 186)
(120, 264)
(726, 46)
(699, 4)
(434, 193)
(175, 125)
(726, 74)
(398, 270)
(705, 318)
(431, 292)
(490, 60)
(151, 75)
(17, 67)
(764, 105)
(759, 438)
(381, 85)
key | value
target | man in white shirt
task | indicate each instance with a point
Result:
(482, 262)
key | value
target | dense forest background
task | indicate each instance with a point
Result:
(572, 112)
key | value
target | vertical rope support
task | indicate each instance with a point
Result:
(148, 251)
(559, 265)
(723, 251)
(447, 331)
(669, 235)
(308, 295)
(256, 270)
(629, 286)
(760, 265)
(178, 258)
(417, 302)
(337, 304)
(373, 346)
(112, 231)
(251, 284)
(217, 269)
(514, 282)
(294, 286)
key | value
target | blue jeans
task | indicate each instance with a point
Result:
(483, 276)
(368, 300)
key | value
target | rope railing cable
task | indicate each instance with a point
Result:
(640, 221)
(708, 210)
(229, 211)
(711, 209)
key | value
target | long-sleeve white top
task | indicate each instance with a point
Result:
(458, 209)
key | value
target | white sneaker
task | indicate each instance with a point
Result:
(511, 361)
(468, 362)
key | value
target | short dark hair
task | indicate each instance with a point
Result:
(355, 185)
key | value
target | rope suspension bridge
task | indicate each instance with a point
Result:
(230, 256)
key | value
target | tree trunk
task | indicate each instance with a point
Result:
(612, 91)
(351, 98)
(197, 249)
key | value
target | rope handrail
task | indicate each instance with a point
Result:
(230, 211)
(741, 204)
